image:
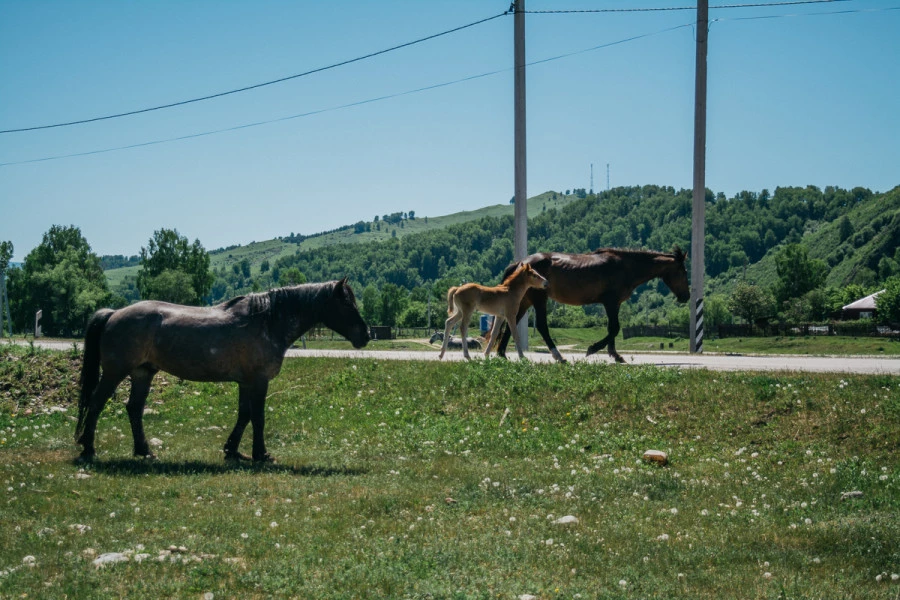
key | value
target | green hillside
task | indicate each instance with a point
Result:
(272, 250)
(400, 261)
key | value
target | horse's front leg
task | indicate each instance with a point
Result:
(234, 439)
(140, 388)
(540, 319)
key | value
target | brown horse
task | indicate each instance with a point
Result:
(607, 276)
(502, 301)
(242, 340)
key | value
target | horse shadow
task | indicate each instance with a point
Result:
(140, 466)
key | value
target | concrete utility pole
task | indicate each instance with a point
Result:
(698, 217)
(520, 249)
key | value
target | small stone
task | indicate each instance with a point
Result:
(109, 558)
(566, 520)
(656, 456)
(851, 495)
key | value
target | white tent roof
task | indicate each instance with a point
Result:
(867, 303)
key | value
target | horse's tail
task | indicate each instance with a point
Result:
(450, 293)
(90, 367)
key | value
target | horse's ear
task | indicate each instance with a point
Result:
(339, 287)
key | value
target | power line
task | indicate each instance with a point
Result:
(417, 90)
(257, 85)
(378, 53)
(343, 106)
(677, 8)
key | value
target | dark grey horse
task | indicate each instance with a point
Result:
(243, 340)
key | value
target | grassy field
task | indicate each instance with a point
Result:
(431, 480)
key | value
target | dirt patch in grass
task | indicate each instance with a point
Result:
(34, 380)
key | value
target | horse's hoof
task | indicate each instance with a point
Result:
(618, 358)
(85, 458)
(236, 457)
(264, 459)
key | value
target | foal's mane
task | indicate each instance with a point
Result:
(515, 273)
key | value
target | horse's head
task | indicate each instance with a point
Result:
(343, 315)
(675, 276)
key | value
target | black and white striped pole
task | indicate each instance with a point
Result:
(698, 216)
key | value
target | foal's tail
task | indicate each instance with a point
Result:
(90, 367)
(450, 293)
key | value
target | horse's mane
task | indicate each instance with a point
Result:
(281, 299)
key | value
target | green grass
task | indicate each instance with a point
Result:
(437, 480)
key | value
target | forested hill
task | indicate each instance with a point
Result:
(856, 232)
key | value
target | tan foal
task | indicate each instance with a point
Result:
(502, 301)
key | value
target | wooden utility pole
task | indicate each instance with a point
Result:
(520, 249)
(698, 217)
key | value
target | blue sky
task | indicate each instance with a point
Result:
(810, 99)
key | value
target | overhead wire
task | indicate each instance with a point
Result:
(675, 8)
(345, 106)
(257, 85)
(378, 53)
(434, 86)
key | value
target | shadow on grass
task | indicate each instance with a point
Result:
(139, 466)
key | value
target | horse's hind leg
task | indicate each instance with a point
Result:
(99, 397)
(612, 311)
(234, 440)
(257, 394)
(140, 388)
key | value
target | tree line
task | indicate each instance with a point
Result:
(795, 254)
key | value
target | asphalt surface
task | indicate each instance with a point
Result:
(864, 365)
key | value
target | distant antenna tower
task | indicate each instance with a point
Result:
(607, 177)
(592, 178)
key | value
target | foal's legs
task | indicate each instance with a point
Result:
(140, 387)
(524, 305)
(451, 322)
(496, 326)
(251, 408)
(463, 331)
(99, 397)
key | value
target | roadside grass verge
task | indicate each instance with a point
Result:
(444, 480)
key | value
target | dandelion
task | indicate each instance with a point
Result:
(244, 536)
(767, 575)
(273, 524)
(623, 583)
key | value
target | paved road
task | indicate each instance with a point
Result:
(718, 362)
